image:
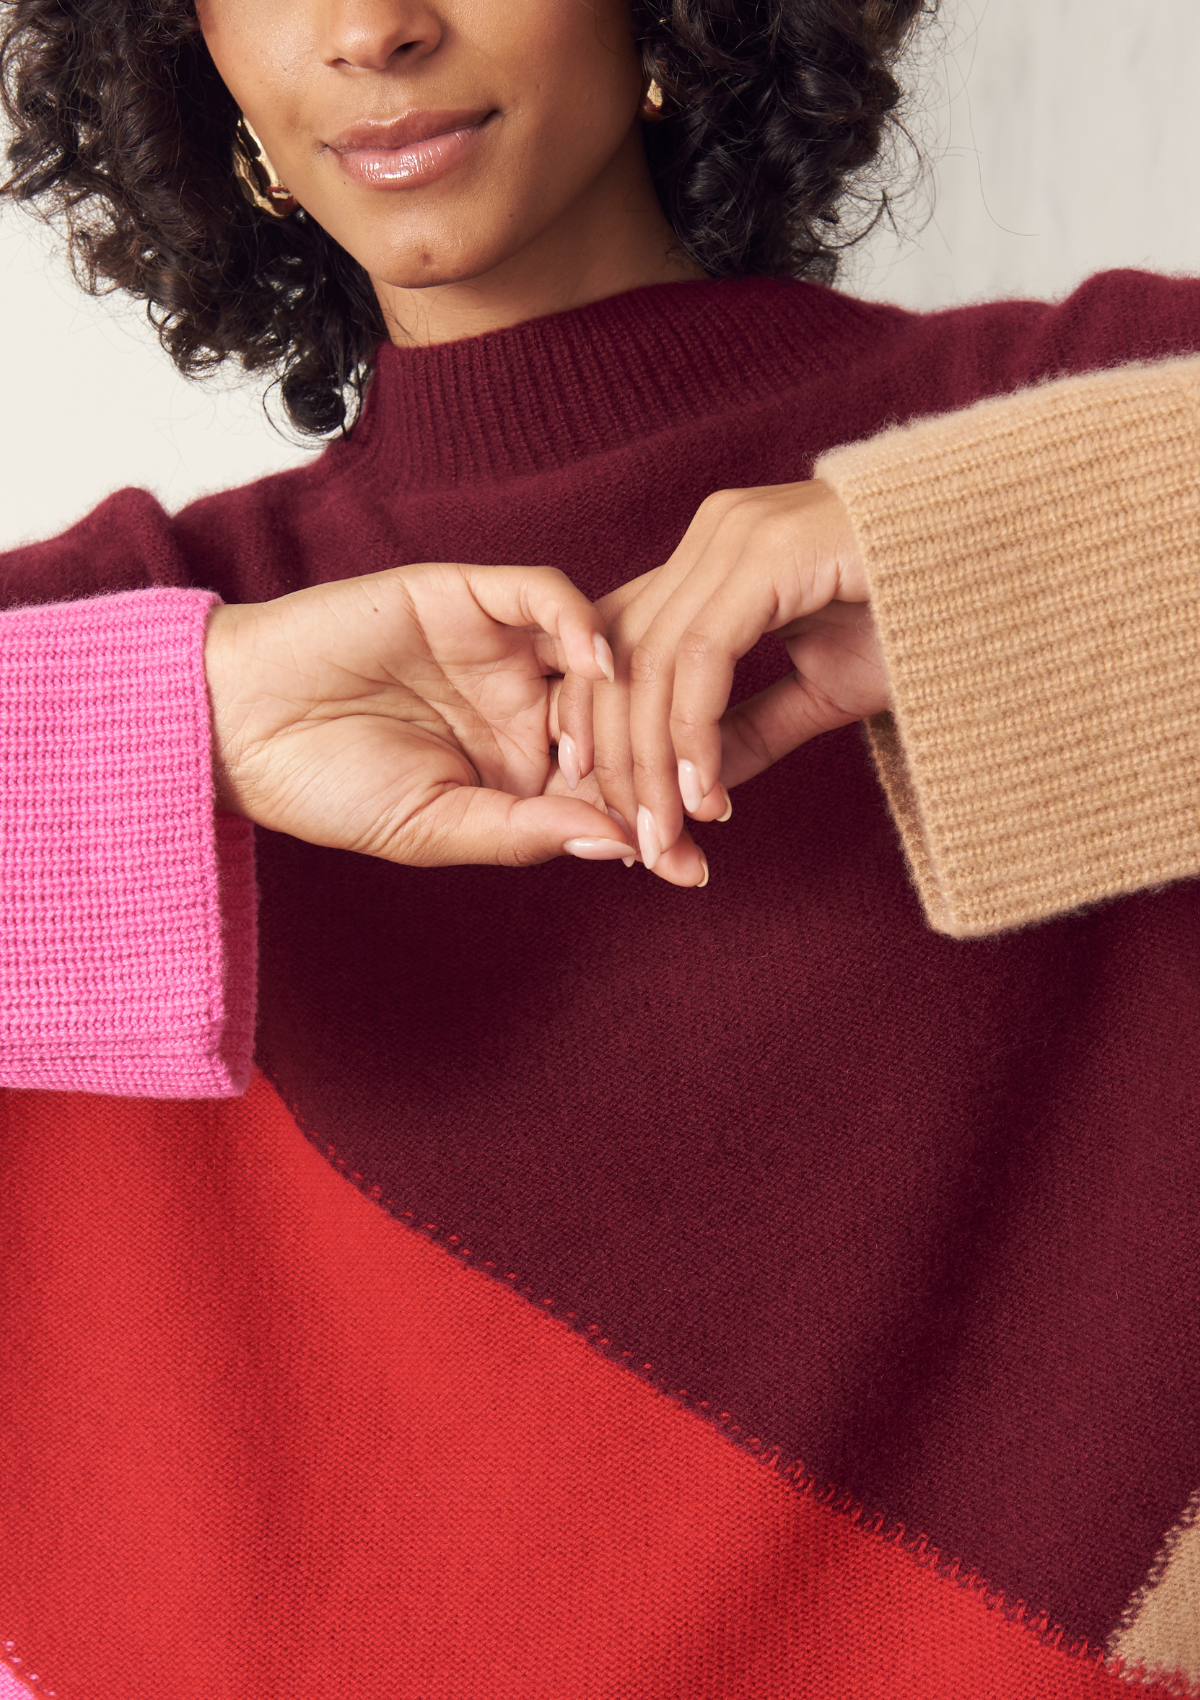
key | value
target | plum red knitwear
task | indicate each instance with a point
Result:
(602, 1289)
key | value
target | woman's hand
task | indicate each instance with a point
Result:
(781, 559)
(407, 714)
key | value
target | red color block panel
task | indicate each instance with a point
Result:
(259, 1440)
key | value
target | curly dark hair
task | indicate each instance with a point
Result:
(121, 126)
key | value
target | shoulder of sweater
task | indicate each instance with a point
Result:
(912, 366)
(1113, 318)
(223, 534)
(130, 542)
(124, 543)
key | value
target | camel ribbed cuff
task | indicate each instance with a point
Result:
(1034, 565)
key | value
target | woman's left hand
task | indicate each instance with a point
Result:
(783, 559)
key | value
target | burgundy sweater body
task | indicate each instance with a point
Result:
(919, 1216)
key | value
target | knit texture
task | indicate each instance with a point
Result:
(1035, 583)
(608, 1291)
(426, 1487)
(127, 904)
(1160, 1631)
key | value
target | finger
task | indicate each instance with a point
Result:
(722, 584)
(729, 624)
(631, 609)
(469, 824)
(571, 726)
(546, 598)
(715, 806)
(683, 864)
(677, 764)
(760, 732)
(613, 760)
(655, 770)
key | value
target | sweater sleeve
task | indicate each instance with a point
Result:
(1034, 565)
(127, 902)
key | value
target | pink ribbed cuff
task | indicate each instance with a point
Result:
(128, 946)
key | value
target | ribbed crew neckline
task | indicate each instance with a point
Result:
(544, 393)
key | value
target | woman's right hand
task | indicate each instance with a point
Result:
(407, 714)
(662, 742)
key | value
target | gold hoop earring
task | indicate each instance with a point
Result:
(652, 103)
(257, 177)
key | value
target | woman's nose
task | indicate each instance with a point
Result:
(373, 35)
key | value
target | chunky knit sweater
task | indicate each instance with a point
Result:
(602, 1289)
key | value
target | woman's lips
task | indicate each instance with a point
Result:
(403, 152)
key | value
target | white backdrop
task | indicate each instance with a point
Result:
(1062, 137)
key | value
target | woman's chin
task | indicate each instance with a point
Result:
(427, 273)
(428, 266)
(419, 259)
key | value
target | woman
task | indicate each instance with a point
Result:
(851, 1261)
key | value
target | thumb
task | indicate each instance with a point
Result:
(840, 677)
(760, 732)
(467, 823)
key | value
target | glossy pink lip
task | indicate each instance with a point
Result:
(415, 148)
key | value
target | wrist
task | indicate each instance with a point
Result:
(851, 568)
(219, 672)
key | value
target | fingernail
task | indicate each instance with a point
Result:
(690, 788)
(596, 849)
(728, 807)
(568, 760)
(704, 881)
(622, 823)
(604, 656)
(648, 839)
(629, 861)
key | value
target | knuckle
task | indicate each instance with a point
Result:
(575, 699)
(407, 836)
(687, 725)
(647, 767)
(607, 765)
(645, 665)
(697, 644)
(720, 502)
(520, 853)
(777, 529)
(756, 742)
(826, 703)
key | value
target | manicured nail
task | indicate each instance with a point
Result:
(704, 881)
(629, 861)
(604, 656)
(596, 849)
(568, 760)
(728, 806)
(648, 840)
(690, 788)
